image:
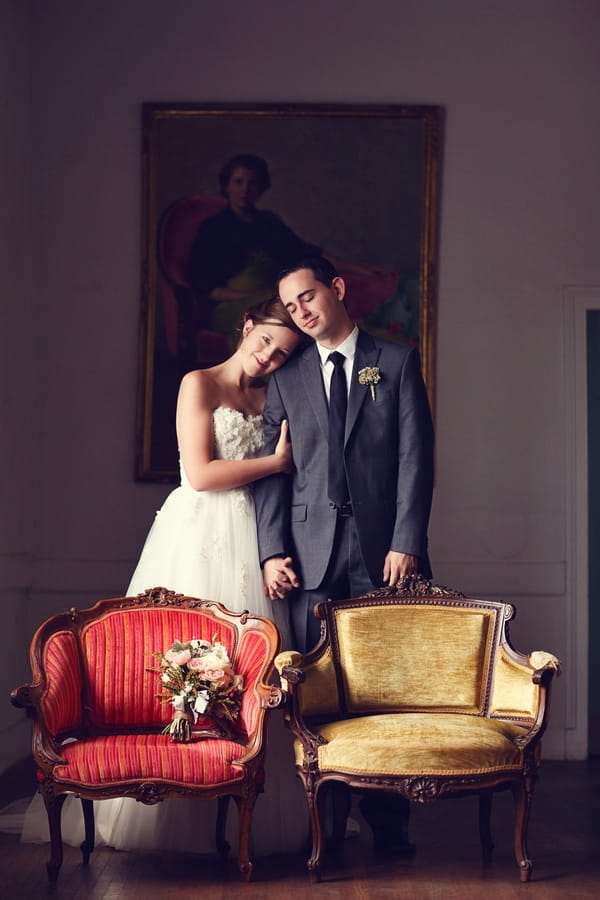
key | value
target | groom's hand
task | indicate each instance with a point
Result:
(279, 577)
(397, 565)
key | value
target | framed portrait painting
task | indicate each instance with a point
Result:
(231, 194)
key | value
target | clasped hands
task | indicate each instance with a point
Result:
(280, 578)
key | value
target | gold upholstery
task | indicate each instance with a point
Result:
(417, 689)
(318, 693)
(459, 644)
(514, 693)
(441, 744)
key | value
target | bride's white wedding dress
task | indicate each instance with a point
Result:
(203, 544)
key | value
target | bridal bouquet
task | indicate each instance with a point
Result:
(198, 677)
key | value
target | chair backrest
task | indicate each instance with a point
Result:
(118, 653)
(95, 670)
(177, 230)
(384, 653)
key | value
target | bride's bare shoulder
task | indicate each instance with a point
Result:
(201, 383)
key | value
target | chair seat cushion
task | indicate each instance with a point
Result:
(418, 743)
(135, 757)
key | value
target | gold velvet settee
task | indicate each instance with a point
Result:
(417, 690)
(98, 717)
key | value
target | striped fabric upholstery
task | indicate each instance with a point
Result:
(248, 662)
(99, 711)
(103, 760)
(119, 649)
(61, 701)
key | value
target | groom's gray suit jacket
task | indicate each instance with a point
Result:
(388, 457)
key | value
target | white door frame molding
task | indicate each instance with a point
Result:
(578, 299)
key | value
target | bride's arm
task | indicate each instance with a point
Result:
(194, 420)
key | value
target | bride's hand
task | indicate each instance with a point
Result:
(283, 450)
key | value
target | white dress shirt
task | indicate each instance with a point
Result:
(348, 349)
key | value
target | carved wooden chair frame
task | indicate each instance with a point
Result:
(416, 787)
(48, 747)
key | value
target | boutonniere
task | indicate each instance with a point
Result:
(369, 376)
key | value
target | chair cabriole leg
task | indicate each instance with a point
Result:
(89, 843)
(54, 808)
(522, 794)
(316, 806)
(245, 807)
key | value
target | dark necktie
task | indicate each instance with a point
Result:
(338, 401)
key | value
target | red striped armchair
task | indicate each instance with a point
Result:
(98, 717)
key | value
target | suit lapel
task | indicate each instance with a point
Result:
(367, 354)
(310, 373)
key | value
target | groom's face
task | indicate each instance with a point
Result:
(316, 308)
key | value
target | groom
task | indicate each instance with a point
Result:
(354, 514)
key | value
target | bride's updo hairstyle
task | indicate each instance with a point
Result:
(272, 312)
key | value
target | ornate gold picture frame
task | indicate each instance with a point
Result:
(361, 183)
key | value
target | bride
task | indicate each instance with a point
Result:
(203, 544)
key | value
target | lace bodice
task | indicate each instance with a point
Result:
(236, 436)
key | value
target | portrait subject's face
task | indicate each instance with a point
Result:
(316, 308)
(242, 189)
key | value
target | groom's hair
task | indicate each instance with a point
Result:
(322, 269)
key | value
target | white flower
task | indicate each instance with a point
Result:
(216, 659)
(201, 702)
(220, 651)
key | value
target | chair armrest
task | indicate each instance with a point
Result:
(287, 658)
(270, 696)
(45, 748)
(21, 697)
(546, 666)
(309, 739)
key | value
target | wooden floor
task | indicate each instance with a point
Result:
(564, 841)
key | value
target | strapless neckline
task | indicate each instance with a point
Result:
(245, 417)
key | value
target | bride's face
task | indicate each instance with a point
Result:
(266, 346)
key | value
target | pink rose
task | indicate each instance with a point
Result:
(178, 657)
(197, 664)
(215, 676)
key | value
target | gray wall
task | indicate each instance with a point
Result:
(520, 219)
(593, 374)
